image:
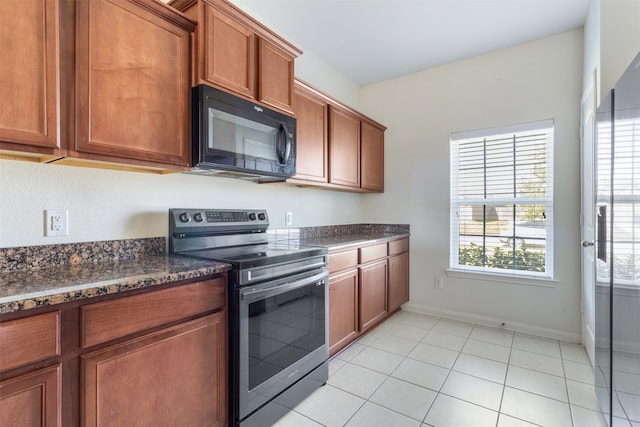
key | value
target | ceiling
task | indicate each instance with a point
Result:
(375, 40)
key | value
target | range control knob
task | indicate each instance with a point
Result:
(261, 216)
(198, 217)
(184, 217)
(252, 216)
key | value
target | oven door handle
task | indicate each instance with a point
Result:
(258, 293)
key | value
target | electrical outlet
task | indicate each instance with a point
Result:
(438, 282)
(56, 222)
(288, 218)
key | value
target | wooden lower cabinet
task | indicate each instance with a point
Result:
(32, 399)
(398, 280)
(373, 294)
(175, 376)
(149, 358)
(343, 309)
(366, 285)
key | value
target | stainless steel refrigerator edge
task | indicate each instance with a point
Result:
(617, 299)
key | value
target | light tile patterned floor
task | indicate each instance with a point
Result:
(415, 370)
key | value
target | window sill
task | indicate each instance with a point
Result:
(503, 278)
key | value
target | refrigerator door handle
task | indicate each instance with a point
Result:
(601, 249)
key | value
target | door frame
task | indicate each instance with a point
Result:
(588, 106)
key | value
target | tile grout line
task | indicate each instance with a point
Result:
(485, 339)
(504, 386)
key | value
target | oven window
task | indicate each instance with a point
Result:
(283, 329)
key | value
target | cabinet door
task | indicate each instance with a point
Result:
(133, 83)
(276, 77)
(372, 157)
(373, 294)
(312, 163)
(32, 399)
(176, 376)
(398, 280)
(344, 148)
(29, 72)
(343, 311)
(230, 53)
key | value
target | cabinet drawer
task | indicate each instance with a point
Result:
(373, 252)
(343, 260)
(29, 340)
(398, 246)
(114, 319)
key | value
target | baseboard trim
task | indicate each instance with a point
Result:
(493, 322)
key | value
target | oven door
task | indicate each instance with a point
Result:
(283, 335)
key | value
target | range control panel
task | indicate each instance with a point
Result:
(207, 220)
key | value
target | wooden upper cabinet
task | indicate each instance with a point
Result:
(276, 76)
(372, 157)
(133, 83)
(29, 76)
(344, 147)
(337, 147)
(312, 155)
(236, 53)
(229, 52)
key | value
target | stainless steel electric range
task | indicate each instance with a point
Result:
(278, 313)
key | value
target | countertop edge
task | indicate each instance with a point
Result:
(364, 242)
(84, 291)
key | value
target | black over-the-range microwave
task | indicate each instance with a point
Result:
(238, 138)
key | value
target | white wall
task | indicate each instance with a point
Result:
(534, 81)
(106, 205)
(619, 39)
(611, 41)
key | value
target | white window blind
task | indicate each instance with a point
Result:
(502, 200)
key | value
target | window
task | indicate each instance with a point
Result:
(502, 200)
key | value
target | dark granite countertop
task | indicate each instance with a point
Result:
(338, 237)
(23, 290)
(53, 274)
(39, 276)
(342, 242)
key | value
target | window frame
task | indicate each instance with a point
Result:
(457, 200)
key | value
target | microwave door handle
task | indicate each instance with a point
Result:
(283, 145)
